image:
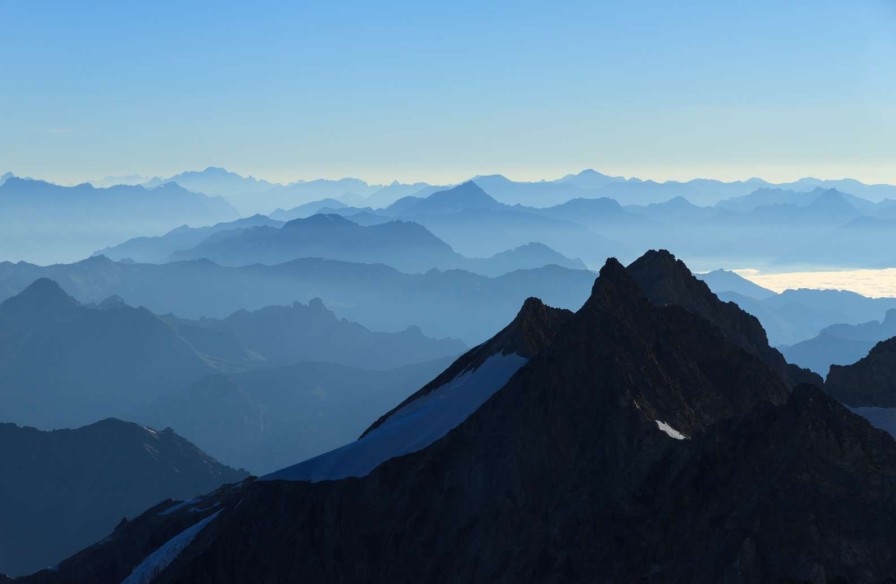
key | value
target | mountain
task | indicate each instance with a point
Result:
(267, 418)
(40, 221)
(475, 224)
(308, 209)
(721, 281)
(441, 404)
(796, 315)
(772, 197)
(215, 181)
(525, 257)
(465, 197)
(66, 489)
(841, 344)
(288, 196)
(858, 242)
(88, 362)
(403, 245)
(665, 280)
(160, 249)
(637, 443)
(589, 179)
(300, 332)
(451, 303)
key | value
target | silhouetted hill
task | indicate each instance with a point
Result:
(66, 489)
(64, 364)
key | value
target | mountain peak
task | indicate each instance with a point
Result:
(42, 294)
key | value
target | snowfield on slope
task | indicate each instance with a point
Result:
(413, 427)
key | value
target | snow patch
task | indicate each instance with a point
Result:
(670, 431)
(411, 428)
(160, 559)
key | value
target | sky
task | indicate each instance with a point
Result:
(441, 91)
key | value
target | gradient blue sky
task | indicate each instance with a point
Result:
(441, 91)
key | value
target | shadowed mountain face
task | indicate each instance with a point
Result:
(88, 362)
(66, 489)
(640, 442)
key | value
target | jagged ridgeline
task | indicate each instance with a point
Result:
(651, 436)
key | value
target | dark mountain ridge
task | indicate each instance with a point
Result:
(640, 444)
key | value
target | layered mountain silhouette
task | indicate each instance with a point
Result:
(794, 316)
(67, 489)
(40, 221)
(160, 248)
(638, 440)
(256, 390)
(406, 246)
(278, 335)
(470, 306)
(476, 224)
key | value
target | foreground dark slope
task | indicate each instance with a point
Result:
(65, 489)
(641, 444)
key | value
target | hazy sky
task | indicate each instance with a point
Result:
(445, 90)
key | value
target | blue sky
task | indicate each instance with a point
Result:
(443, 91)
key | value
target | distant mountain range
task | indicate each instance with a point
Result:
(404, 245)
(588, 215)
(43, 222)
(587, 183)
(651, 435)
(67, 489)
